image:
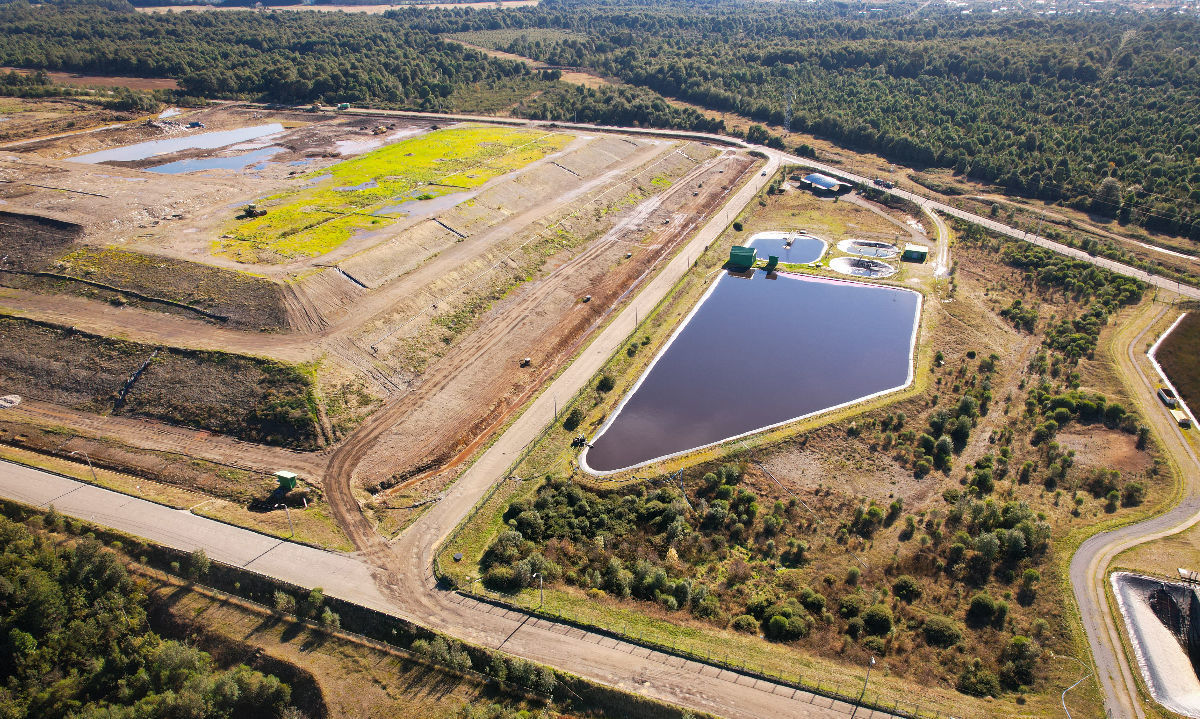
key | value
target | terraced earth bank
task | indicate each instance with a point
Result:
(245, 397)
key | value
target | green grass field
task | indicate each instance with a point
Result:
(314, 220)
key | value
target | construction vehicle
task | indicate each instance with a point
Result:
(253, 210)
(526, 361)
(1181, 418)
(1167, 396)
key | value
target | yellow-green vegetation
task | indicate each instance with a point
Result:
(349, 196)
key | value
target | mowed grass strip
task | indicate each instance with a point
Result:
(1179, 355)
(314, 220)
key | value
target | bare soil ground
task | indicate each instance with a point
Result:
(77, 80)
(24, 118)
(256, 400)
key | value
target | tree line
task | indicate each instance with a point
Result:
(1048, 107)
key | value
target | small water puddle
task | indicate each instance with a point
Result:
(202, 141)
(230, 162)
(413, 207)
(756, 353)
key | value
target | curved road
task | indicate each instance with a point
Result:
(1089, 566)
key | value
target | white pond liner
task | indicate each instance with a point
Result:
(869, 248)
(861, 267)
(1164, 663)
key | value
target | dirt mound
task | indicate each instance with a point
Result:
(245, 397)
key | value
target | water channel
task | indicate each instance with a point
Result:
(756, 353)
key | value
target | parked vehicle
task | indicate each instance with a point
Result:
(1168, 397)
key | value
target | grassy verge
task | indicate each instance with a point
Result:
(313, 526)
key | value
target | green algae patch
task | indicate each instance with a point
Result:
(361, 193)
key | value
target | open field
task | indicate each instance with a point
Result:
(77, 80)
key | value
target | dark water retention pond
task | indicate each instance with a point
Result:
(756, 353)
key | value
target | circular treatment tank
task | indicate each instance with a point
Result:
(861, 267)
(869, 248)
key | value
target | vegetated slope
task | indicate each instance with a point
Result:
(31, 244)
(78, 642)
(1179, 356)
(246, 397)
(1047, 106)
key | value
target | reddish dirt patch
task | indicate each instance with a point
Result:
(76, 80)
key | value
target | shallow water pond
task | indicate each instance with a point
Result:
(759, 352)
(229, 162)
(201, 141)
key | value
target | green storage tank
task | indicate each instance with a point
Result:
(742, 258)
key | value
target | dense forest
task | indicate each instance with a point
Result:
(1099, 111)
(1047, 107)
(77, 643)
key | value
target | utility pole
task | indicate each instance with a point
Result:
(89, 463)
(541, 597)
(291, 526)
(864, 689)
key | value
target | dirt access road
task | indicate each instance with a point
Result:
(1089, 566)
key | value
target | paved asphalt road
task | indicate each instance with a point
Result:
(1088, 570)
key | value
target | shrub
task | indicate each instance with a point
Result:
(1133, 494)
(982, 610)
(1019, 659)
(737, 227)
(854, 627)
(906, 588)
(978, 681)
(878, 620)
(606, 383)
(852, 575)
(851, 605)
(745, 623)
(941, 631)
(573, 420)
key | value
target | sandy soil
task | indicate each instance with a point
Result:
(77, 80)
